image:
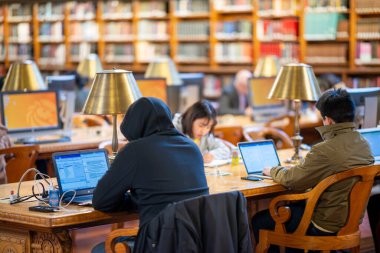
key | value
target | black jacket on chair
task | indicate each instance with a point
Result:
(213, 223)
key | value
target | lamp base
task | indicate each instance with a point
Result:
(297, 157)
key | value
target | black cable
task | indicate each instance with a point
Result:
(43, 194)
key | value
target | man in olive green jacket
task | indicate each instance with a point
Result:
(343, 148)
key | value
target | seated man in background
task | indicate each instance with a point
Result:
(158, 166)
(234, 99)
(343, 148)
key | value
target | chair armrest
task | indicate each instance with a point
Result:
(281, 213)
(110, 246)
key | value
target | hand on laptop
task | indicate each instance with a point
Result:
(266, 171)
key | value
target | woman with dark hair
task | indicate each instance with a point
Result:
(198, 123)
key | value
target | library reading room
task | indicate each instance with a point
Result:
(189, 126)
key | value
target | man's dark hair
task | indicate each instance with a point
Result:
(200, 109)
(337, 105)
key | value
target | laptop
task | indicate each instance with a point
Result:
(258, 155)
(79, 171)
(372, 135)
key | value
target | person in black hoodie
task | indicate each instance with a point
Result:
(157, 167)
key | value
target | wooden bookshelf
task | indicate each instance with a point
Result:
(195, 34)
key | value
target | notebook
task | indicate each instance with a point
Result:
(79, 171)
(372, 135)
(258, 155)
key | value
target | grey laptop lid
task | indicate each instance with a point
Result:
(80, 171)
(258, 155)
(372, 135)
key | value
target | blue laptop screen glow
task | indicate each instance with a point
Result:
(373, 138)
(258, 155)
(80, 170)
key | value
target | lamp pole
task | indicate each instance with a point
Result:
(115, 144)
(297, 138)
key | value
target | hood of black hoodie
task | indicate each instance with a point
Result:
(145, 117)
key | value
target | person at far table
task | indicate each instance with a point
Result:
(198, 123)
(343, 148)
(158, 166)
(234, 99)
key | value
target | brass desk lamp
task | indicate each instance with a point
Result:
(267, 66)
(165, 68)
(296, 82)
(89, 66)
(112, 92)
(23, 76)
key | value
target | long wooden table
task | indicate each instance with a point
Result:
(24, 231)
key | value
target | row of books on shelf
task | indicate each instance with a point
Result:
(2, 52)
(368, 52)
(183, 7)
(363, 82)
(233, 5)
(327, 53)
(285, 29)
(19, 52)
(81, 50)
(286, 52)
(146, 51)
(148, 29)
(152, 9)
(20, 33)
(326, 5)
(51, 31)
(118, 31)
(51, 11)
(330, 26)
(368, 28)
(193, 29)
(367, 6)
(234, 30)
(120, 9)
(116, 9)
(233, 52)
(52, 55)
(193, 52)
(277, 7)
(84, 31)
(82, 10)
(119, 53)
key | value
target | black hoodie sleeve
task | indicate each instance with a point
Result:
(110, 193)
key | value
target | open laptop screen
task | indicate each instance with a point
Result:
(80, 170)
(258, 154)
(372, 135)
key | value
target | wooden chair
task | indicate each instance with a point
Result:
(131, 228)
(233, 134)
(232, 221)
(281, 139)
(285, 123)
(19, 159)
(347, 238)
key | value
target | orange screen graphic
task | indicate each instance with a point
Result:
(30, 110)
